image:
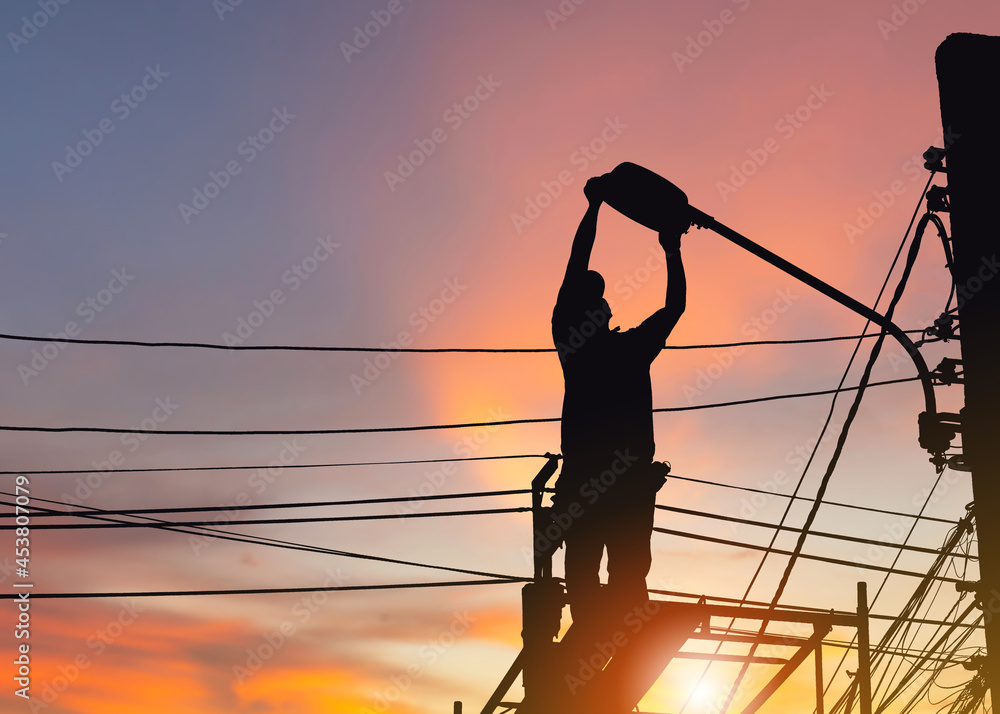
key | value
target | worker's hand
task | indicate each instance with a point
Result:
(594, 190)
(671, 242)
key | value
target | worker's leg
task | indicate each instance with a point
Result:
(629, 552)
(584, 549)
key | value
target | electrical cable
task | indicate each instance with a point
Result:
(264, 467)
(885, 580)
(804, 556)
(839, 504)
(394, 350)
(424, 427)
(924, 690)
(689, 479)
(267, 506)
(210, 532)
(235, 508)
(949, 260)
(901, 622)
(852, 412)
(796, 608)
(790, 529)
(261, 591)
(269, 521)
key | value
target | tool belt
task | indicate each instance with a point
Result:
(641, 483)
(637, 486)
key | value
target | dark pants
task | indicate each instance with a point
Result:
(625, 528)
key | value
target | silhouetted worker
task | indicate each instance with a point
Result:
(607, 487)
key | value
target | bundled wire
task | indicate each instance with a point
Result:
(864, 383)
(943, 644)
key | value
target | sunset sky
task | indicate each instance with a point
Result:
(243, 171)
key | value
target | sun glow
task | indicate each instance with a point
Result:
(705, 692)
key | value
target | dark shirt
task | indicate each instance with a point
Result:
(608, 403)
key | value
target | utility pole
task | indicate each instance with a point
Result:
(968, 70)
(864, 674)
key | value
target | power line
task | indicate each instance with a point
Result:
(800, 608)
(792, 529)
(845, 429)
(266, 506)
(885, 580)
(236, 508)
(798, 641)
(870, 509)
(424, 427)
(401, 350)
(283, 466)
(796, 395)
(904, 620)
(226, 535)
(266, 521)
(261, 591)
(779, 551)
(813, 340)
(209, 532)
(917, 600)
(376, 517)
(908, 677)
(943, 236)
(839, 504)
(852, 412)
(689, 479)
(826, 423)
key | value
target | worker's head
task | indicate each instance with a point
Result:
(593, 296)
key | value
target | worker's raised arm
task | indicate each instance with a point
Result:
(660, 324)
(583, 241)
(676, 300)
